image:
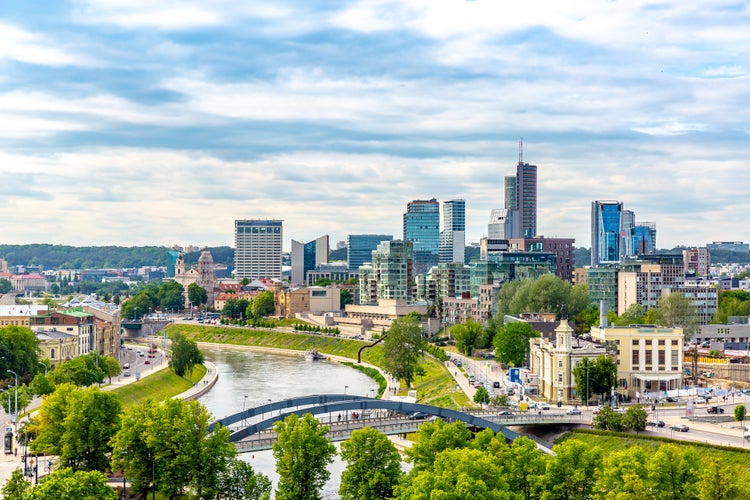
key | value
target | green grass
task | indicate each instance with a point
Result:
(373, 374)
(616, 441)
(159, 386)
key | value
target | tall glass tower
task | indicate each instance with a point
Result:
(360, 247)
(453, 236)
(606, 232)
(422, 228)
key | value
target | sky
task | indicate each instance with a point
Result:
(134, 122)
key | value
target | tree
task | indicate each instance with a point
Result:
(111, 367)
(42, 385)
(171, 442)
(345, 298)
(572, 471)
(512, 343)
(139, 306)
(263, 304)
(235, 308)
(466, 335)
(197, 295)
(677, 310)
(21, 396)
(635, 418)
(607, 419)
(240, 482)
(673, 472)
(81, 437)
(719, 481)
(373, 466)
(81, 371)
(525, 465)
(184, 354)
(481, 396)
(403, 348)
(171, 296)
(17, 486)
(302, 453)
(548, 293)
(5, 286)
(624, 473)
(635, 314)
(434, 437)
(739, 413)
(597, 377)
(66, 483)
(18, 351)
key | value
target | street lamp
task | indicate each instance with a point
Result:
(45, 368)
(345, 388)
(243, 410)
(15, 413)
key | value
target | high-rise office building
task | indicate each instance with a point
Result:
(257, 248)
(453, 236)
(511, 201)
(422, 228)
(390, 273)
(606, 232)
(307, 256)
(360, 247)
(526, 198)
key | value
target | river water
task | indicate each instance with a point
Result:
(248, 379)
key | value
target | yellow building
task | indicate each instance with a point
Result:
(57, 346)
(649, 358)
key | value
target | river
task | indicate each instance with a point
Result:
(248, 378)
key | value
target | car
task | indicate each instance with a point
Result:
(505, 413)
(472, 378)
(680, 428)
(715, 409)
(511, 392)
(126, 374)
(420, 415)
(672, 399)
(147, 362)
(596, 410)
(542, 406)
(656, 423)
(126, 366)
(573, 411)
(496, 385)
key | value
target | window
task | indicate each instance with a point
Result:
(675, 342)
(661, 342)
(675, 359)
(636, 342)
(636, 358)
(648, 342)
(649, 357)
(661, 358)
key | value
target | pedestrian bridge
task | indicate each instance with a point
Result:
(388, 416)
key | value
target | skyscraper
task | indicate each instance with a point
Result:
(526, 198)
(453, 236)
(389, 275)
(257, 248)
(606, 231)
(360, 247)
(511, 201)
(307, 256)
(422, 228)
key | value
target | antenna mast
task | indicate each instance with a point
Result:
(520, 151)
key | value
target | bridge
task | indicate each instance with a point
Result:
(259, 436)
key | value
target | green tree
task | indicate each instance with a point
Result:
(572, 471)
(635, 314)
(719, 481)
(677, 310)
(403, 348)
(111, 367)
(41, 385)
(171, 442)
(240, 482)
(18, 351)
(345, 298)
(17, 486)
(481, 396)
(434, 437)
(302, 453)
(197, 295)
(263, 304)
(66, 483)
(373, 466)
(623, 475)
(235, 308)
(20, 396)
(739, 413)
(607, 419)
(512, 343)
(673, 472)
(458, 474)
(81, 437)
(525, 466)
(635, 418)
(5, 286)
(171, 296)
(548, 293)
(586, 319)
(81, 371)
(597, 377)
(184, 354)
(466, 335)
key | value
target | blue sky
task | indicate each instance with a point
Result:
(136, 122)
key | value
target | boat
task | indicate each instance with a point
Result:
(314, 355)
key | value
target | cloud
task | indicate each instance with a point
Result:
(32, 48)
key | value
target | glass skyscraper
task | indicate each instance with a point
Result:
(453, 236)
(422, 228)
(307, 256)
(606, 232)
(360, 247)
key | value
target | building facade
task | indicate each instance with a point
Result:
(307, 256)
(453, 236)
(258, 248)
(606, 232)
(390, 276)
(563, 248)
(360, 247)
(422, 229)
(74, 321)
(526, 198)
(696, 261)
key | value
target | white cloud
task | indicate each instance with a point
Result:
(27, 47)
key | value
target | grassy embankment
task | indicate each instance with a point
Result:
(158, 386)
(437, 387)
(617, 441)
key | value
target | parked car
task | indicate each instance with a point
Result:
(496, 385)
(420, 415)
(542, 406)
(671, 399)
(505, 413)
(680, 428)
(715, 409)
(126, 374)
(656, 423)
(126, 366)
(147, 362)
(573, 411)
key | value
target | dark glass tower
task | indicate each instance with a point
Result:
(422, 228)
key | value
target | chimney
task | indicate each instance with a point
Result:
(603, 309)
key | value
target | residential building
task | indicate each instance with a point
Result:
(697, 261)
(642, 281)
(601, 283)
(307, 256)
(509, 266)
(563, 248)
(458, 310)
(20, 314)
(74, 321)
(453, 236)
(444, 280)
(422, 228)
(579, 275)
(606, 232)
(360, 247)
(489, 247)
(390, 275)
(649, 358)
(257, 248)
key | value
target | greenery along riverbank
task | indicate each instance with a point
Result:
(435, 387)
(158, 386)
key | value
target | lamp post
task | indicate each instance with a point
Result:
(45, 368)
(15, 411)
(345, 388)
(243, 410)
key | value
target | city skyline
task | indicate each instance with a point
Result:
(141, 123)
